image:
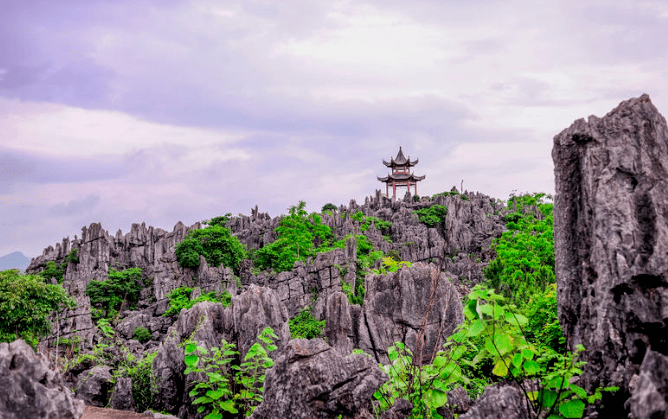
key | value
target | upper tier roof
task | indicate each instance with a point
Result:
(400, 160)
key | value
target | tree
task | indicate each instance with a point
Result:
(26, 302)
(215, 243)
(119, 290)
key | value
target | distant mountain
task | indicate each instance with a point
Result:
(16, 260)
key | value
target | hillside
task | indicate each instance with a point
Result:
(14, 260)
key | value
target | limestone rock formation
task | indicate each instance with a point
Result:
(312, 380)
(611, 245)
(94, 386)
(28, 389)
(122, 398)
(399, 305)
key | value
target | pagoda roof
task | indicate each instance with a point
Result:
(400, 160)
(401, 177)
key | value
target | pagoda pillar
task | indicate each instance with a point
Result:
(394, 188)
(415, 188)
(387, 189)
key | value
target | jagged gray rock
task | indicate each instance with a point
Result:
(312, 380)
(611, 244)
(122, 398)
(28, 389)
(395, 310)
(500, 402)
(94, 386)
(649, 391)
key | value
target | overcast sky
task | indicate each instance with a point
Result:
(161, 111)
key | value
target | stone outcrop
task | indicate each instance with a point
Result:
(28, 389)
(401, 305)
(121, 397)
(312, 380)
(611, 245)
(94, 386)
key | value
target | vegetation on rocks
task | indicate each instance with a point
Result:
(227, 387)
(432, 216)
(214, 242)
(26, 302)
(179, 298)
(119, 291)
(306, 326)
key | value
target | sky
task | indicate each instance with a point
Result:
(161, 111)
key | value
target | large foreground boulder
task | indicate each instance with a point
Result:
(611, 245)
(500, 402)
(313, 380)
(28, 389)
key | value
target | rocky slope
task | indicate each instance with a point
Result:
(395, 308)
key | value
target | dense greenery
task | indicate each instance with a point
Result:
(227, 387)
(57, 270)
(329, 207)
(120, 290)
(141, 334)
(215, 243)
(143, 385)
(300, 236)
(179, 298)
(305, 325)
(367, 221)
(26, 302)
(524, 264)
(432, 216)
(221, 220)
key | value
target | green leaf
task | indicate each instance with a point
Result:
(215, 394)
(572, 409)
(190, 347)
(500, 369)
(228, 406)
(214, 415)
(531, 367)
(517, 360)
(435, 398)
(527, 354)
(191, 360)
(476, 328)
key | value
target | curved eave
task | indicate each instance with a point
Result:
(383, 179)
(388, 164)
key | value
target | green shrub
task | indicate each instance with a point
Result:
(305, 325)
(53, 270)
(141, 334)
(218, 221)
(432, 216)
(26, 302)
(366, 222)
(416, 198)
(73, 256)
(215, 243)
(524, 263)
(216, 393)
(143, 385)
(300, 236)
(329, 207)
(120, 290)
(179, 298)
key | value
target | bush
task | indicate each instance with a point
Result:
(305, 325)
(300, 236)
(53, 270)
(416, 198)
(432, 216)
(179, 298)
(26, 302)
(141, 334)
(143, 386)
(215, 243)
(120, 290)
(329, 207)
(218, 221)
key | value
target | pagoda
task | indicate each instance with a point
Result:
(401, 175)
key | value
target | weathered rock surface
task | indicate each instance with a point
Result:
(122, 398)
(611, 244)
(500, 402)
(28, 389)
(399, 305)
(94, 386)
(312, 380)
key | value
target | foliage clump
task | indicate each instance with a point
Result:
(57, 270)
(26, 302)
(215, 243)
(119, 291)
(329, 207)
(300, 236)
(141, 334)
(179, 298)
(227, 387)
(432, 216)
(306, 326)
(367, 221)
